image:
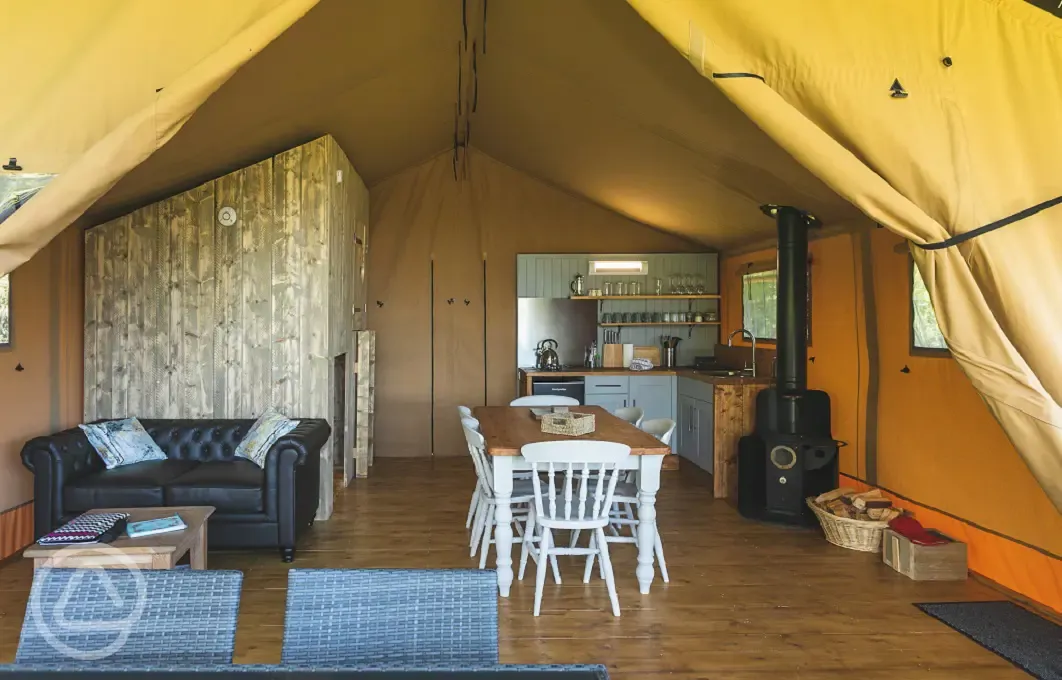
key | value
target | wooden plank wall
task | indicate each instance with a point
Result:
(188, 318)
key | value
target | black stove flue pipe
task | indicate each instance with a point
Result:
(792, 320)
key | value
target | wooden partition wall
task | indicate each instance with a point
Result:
(233, 297)
(442, 288)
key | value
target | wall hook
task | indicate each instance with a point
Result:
(467, 302)
(379, 304)
(811, 359)
(905, 369)
(19, 368)
(450, 301)
(12, 164)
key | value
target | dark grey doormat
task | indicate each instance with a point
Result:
(1026, 640)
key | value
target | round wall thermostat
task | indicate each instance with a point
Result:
(227, 216)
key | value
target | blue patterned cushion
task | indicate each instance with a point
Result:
(122, 442)
(269, 427)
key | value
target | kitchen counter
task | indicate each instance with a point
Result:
(683, 372)
(730, 409)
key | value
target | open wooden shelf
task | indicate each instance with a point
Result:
(647, 297)
(664, 323)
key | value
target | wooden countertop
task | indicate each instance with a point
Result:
(505, 429)
(682, 372)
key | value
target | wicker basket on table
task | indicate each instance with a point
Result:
(571, 424)
(854, 534)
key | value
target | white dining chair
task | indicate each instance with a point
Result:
(581, 502)
(632, 414)
(661, 428)
(465, 412)
(523, 493)
(544, 400)
(625, 501)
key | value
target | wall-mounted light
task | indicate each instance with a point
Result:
(620, 267)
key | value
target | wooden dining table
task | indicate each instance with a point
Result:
(507, 428)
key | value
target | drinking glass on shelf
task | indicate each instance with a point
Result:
(687, 284)
(673, 285)
(636, 288)
(607, 287)
(699, 284)
(621, 288)
(658, 286)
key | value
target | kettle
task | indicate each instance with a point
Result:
(547, 356)
(576, 286)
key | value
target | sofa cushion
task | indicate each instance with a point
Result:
(231, 487)
(122, 442)
(130, 486)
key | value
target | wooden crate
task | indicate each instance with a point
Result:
(945, 562)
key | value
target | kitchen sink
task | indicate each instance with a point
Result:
(722, 372)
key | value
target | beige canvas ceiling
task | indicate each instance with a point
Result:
(581, 93)
(588, 96)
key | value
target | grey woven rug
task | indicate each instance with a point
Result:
(1028, 641)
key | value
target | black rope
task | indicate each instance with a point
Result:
(998, 224)
(738, 75)
(475, 79)
(464, 20)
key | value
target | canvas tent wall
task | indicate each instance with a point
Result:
(590, 98)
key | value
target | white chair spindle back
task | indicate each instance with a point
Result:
(585, 499)
(477, 449)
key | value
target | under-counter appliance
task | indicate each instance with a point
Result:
(571, 323)
(568, 386)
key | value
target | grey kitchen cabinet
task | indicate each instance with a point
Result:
(705, 435)
(608, 401)
(654, 394)
(696, 431)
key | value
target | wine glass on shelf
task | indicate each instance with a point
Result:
(699, 284)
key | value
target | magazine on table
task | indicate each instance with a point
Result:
(151, 527)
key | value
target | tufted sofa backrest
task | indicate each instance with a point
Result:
(198, 440)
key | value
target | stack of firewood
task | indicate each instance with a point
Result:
(869, 505)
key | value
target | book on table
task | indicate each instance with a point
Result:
(150, 527)
(89, 528)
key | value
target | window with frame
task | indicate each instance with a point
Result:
(759, 302)
(5, 310)
(926, 337)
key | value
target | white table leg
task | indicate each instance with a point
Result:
(648, 485)
(503, 514)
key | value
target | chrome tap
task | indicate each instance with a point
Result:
(743, 332)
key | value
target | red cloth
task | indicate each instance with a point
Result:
(912, 530)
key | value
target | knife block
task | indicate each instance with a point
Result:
(612, 356)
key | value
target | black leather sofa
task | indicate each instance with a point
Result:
(254, 507)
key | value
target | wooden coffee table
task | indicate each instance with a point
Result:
(160, 551)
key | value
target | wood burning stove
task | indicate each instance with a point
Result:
(792, 453)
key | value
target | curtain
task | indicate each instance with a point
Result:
(99, 85)
(935, 118)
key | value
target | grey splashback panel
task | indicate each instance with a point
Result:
(549, 276)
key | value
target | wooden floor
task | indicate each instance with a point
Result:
(746, 600)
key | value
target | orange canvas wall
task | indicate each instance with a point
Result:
(834, 346)
(46, 307)
(936, 443)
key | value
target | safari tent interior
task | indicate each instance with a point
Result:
(922, 135)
